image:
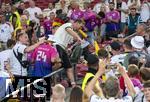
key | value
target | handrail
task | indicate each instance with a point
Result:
(32, 83)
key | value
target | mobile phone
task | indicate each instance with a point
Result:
(111, 66)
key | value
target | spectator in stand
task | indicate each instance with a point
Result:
(102, 22)
(111, 87)
(97, 7)
(135, 3)
(21, 7)
(148, 22)
(90, 22)
(129, 58)
(76, 94)
(63, 36)
(5, 57)
(116, 57)
(23, 25)
(58, 93)
(145, 11)
(3, 7)
(8, 12)
(18, 58)
(15, 18)
(138, 45)
(6, 30)
(35, 14)
(93, 64)
(73, 5)
(123, 10)
(51, 8)
(63, 6)
(133, 72)
(112, 22)
(20, 49)
(132, 21)
(144, 94)
(48, 23)
(76, 13)
(45, 59)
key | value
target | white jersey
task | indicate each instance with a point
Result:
(62, 37)
(16, 67)
(6, 30)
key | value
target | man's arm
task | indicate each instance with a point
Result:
(89, 88)
(32, 47)
(73, 33)
(56, 63)
(127, 80)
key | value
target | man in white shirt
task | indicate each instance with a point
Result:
(18, 57)
(111, 87)
(145, 11)
(122, 8)
(35, 14)
(21, 48)
(97, 7)
(5, 56)
(65, 35)
(51, 8)
(6, 30)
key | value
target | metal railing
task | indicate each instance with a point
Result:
(28, 85)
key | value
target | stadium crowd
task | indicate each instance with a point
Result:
(112, 39)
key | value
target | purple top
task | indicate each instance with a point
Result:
(136, 83)
(47, 25)
(76, 14)
(111, 26)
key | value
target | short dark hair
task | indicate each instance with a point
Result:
(92, 60)
(112, 3)
(147, 84)
(127, 43)
(10, 43)
(145, 74)
(115, 46)
(79, 21)
(102, 53)
(147, 64)
(133, 60)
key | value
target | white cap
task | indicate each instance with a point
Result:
(51, 38)
(137, 42)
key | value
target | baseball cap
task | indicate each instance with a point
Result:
(92, 59)
(51, 38)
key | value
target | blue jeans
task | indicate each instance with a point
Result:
(103, 30)
(91, 37)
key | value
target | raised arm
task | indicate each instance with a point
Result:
(89, 88)
(32, 47)
(127, 80)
